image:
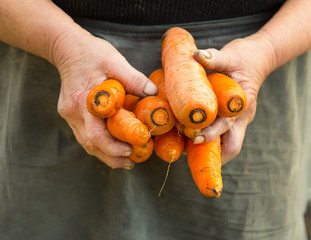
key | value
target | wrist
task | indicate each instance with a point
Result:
(265, 52)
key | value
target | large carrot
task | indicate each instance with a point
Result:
(204, 161)
(142, 153)
(157, 77)
(123, 125)
(105, 99)
(169, 146)
(156, 114)
(230, 95)
(189, 92)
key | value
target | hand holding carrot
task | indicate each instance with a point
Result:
(84, 62)
(247, 61)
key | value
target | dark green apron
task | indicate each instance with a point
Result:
(50, 189)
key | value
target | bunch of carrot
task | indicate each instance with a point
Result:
(188, 100)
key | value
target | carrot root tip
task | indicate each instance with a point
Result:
(197, 116)
(98, 95)
(159, 116)
(235, 105)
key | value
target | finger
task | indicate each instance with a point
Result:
(212, 59)
(133, 81)
(97, 136)
(232, 141)
(217, 128)
(91, 149)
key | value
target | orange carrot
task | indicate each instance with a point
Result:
(130, 102)
(142, 153)
(230, 95)
(123, 125)
(105, 99)
(169, 146)
(188, 132)
(190, 94)
(204, 161)
(156, 114)
(157, 77)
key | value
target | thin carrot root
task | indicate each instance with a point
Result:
(166, 176)
(105, 99)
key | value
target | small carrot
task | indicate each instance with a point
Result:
(231, 97)
(123, 125)
(204, 161)
(190, 94)
(188, 132)
(156, 114)
(169, 146)
(142, 153)
(157, 77)
(105, 99)
(130, 102)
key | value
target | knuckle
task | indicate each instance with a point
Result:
(89, 146)
(234, 150)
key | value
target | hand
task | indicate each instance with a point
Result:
(85, 61)
(246, 62)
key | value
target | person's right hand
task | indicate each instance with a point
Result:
(83, 62)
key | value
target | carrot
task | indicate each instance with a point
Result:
(156, 114)
(169, 146)
(157, 77)
(189, 92)
(130, 102)
(188, 132)
(123, 125)
(230, 95)
(105, 99)
(142, 153)
(204, 161)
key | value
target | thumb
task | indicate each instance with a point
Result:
(212, 59)
(133, 81)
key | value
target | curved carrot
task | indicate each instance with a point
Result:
(204, 161)
(123, 125)
(231, 97)
(188, 132)
(157, 77)
(169, 146)
(142, 153)
(190, 94)
(156, 114)
(130, 102)
(105, 99)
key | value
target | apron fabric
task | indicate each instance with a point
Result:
(51, 189)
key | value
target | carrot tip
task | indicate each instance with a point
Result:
(197, 116)
(159, 117)
(97, 99)
(235, 105)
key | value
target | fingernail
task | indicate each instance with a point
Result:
(126, 154)
(150, 89)
(201, 56)
(128, 165)
(198, 140)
